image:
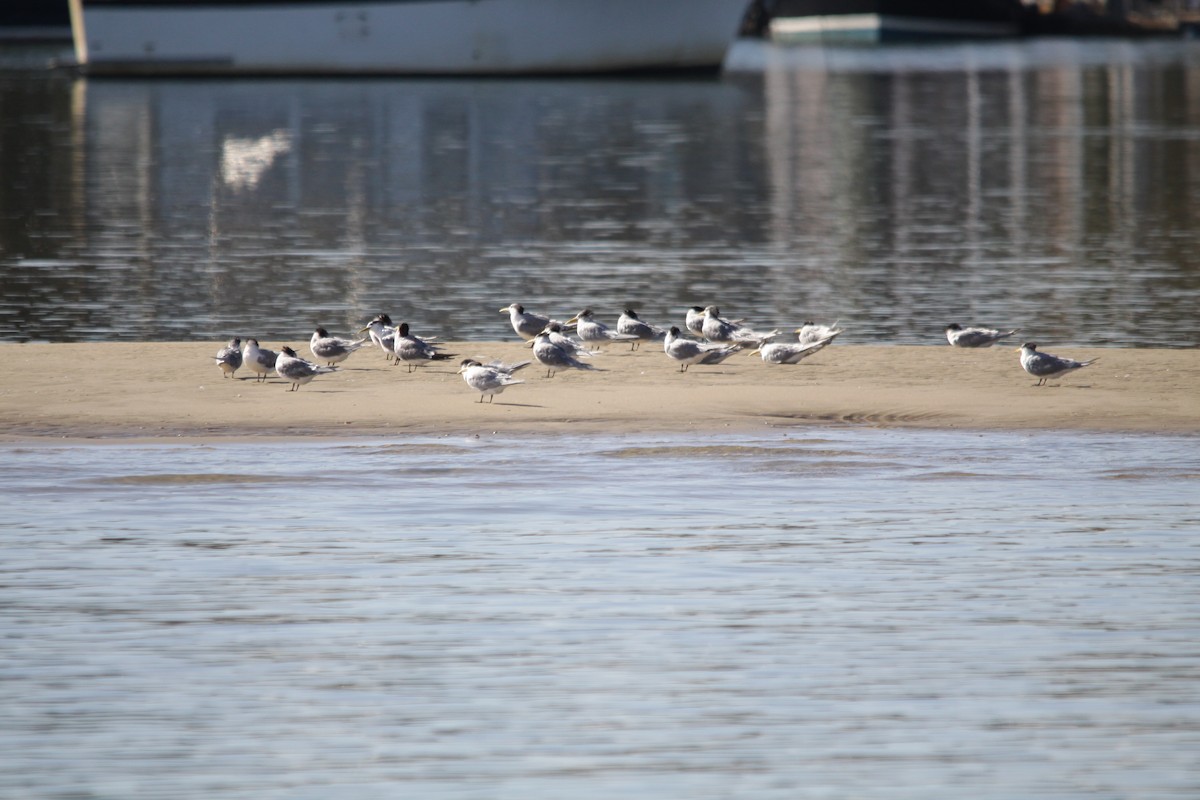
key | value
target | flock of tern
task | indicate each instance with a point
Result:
(569, 345)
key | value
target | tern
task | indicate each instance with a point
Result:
(526, 324)
(413, 351)
(555, 357)
(382, 333)
(296, 370)
(229, 357)
(688, 352)
(628, 323)
(716, 329)
(555, 331)
(258, 360)
(490, 379)
(1044, 366)
(959, 336)
(694, 321)
(331, 349)
(812, 332)
(789, 352)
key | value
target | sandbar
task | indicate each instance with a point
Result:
(159, 390)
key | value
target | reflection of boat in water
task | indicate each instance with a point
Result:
(402, 36)
(889, 20)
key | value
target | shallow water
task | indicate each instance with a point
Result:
(1048, 185)
(811, 612)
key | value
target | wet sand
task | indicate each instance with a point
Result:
(171, 389)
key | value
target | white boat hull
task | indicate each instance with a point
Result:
(432, 37)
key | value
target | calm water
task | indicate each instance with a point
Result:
(1052, 185)
(820, 613)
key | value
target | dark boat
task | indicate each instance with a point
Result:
(34, 21)
(887, 20)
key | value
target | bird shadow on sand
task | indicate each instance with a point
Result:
(1067, 386)
(512, 405)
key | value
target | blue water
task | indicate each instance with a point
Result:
(814, 612)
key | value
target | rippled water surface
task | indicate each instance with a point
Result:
(1051, 185)
(818, 612)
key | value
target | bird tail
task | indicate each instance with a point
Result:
(819, 344)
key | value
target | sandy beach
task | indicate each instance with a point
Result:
(173, 389)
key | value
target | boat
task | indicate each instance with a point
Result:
(870, 21)
(34, 21)
(418, 37)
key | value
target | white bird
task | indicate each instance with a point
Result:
(555, 357)
(382, 333)
(526, 324)
(688, 352)
(296, 370)
(694, 321)
(789, 352)
(258, 360)
(229, 357)
(413, 351)
(812, 332)
(555, 331)
(591, 330)
(1044, 366)
(630, 324)
(331, 349)
(959, 336)
(490, 379)
(716, 329)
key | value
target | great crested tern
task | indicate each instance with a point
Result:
(296, 370)
(563, 340)
(959, 336)
(382, 333)
(489, 379)
(694, 321)
(258, 360)
(414, 351)
(629, 323)
(331, 349)
(789, 352)
(1044, 366)
(716, 329)
(814, 332)
(229, 357)
(688, 352)
(553, 356)
(525, 324)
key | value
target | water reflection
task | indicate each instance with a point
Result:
(243, 161)
(1052, 188)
